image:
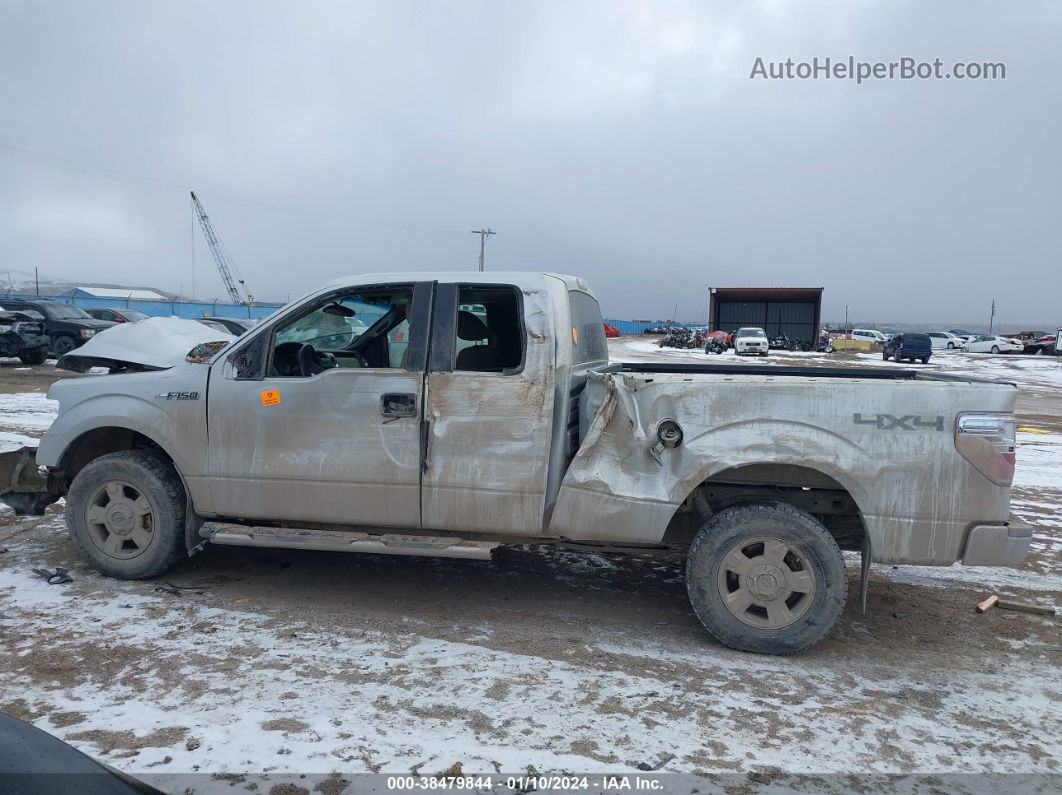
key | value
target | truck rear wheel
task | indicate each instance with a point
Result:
(126, 512)
(766, 578)
(35, 356)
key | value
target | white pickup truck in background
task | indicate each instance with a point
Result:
(449, 413)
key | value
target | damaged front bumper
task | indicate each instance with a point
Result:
(23, 484)
(12, 344)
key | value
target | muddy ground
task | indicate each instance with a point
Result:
(249, 662)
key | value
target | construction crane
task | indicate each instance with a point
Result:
(229, 275)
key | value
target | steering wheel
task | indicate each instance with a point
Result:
(312, 362)
(300, 359)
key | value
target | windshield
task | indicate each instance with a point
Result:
(331, 331)
(751, 332)
(65, 312)
(134, 315)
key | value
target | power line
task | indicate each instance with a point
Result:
(29, 155)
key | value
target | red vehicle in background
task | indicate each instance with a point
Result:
(123, 315)
(718, 342)
(1045, 344)
(611, 331)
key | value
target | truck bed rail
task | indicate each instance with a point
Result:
(798, 371)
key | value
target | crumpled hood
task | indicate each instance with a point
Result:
(155, 344)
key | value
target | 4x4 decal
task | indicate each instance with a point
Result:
(910, 422)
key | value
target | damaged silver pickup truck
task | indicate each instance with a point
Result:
(448, 413)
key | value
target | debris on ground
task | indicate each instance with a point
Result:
(987, 604)
(57, 577)
(175, 590)
(1024, 607)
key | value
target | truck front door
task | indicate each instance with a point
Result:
(319, 418)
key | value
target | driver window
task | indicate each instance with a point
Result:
(363, 328)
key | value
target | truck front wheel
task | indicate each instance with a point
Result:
(766, 578)
(126, 512)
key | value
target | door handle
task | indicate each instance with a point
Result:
(395, 405)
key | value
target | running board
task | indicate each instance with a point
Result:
(343, 541)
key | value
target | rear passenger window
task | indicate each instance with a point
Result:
(588, 329)
(490, 330)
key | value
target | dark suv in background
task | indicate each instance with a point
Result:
(909, 346)
(66, 325)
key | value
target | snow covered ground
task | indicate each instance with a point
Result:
(280, 663)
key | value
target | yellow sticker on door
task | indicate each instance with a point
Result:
(271, 397)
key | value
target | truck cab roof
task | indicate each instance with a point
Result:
(464, 277)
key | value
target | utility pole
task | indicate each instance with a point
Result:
(483, 234)
(37, 280)
(992, 317)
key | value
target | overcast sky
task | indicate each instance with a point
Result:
(621, 141)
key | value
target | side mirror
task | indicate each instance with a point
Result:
(204, 352)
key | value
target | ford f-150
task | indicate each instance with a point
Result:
(448, 413)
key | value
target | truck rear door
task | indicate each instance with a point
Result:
(489, 404)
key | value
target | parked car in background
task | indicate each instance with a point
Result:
(962, 333)
(1045, 344)
(1028, 339)
(908, 347)
(989, 343)
(751, 340)
(22, 336)
(66, 325)
(945, 339)
(231, 325)
(869, 335)
(611, 331)
(122, 315)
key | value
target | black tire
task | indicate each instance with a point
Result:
(37, 356)
(151, 477)
(63, 344)
(925, 360)
(885, 356)
(951, 346)
(995, 349)
(809, 543)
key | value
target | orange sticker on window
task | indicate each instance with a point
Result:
(271, 397)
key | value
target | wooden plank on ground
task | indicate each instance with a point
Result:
(1022, 607)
